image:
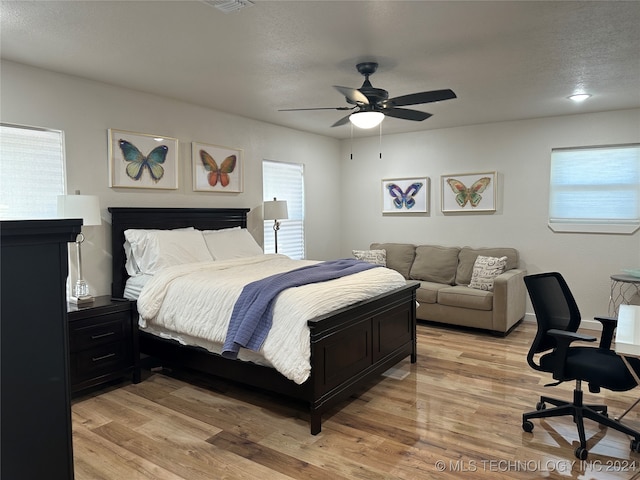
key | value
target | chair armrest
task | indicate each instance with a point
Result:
(564, 339)
(568, 337)
(609, 325)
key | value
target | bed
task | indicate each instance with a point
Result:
(349, 347)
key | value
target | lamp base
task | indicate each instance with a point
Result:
(81, 300)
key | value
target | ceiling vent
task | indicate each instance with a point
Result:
(228, 6)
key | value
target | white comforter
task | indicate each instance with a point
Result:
(197, 300)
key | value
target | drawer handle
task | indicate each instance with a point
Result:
(102, 335)
(103, 357)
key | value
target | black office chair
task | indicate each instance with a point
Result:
(558, 320)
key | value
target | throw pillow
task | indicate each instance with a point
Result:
(485, 270)
(377, 257)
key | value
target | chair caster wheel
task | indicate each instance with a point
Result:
(541, 406)
(635, 446)
(527, 426)
(581, 453)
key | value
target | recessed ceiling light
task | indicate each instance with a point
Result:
(579, 97)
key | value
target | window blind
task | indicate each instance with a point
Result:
(31, 172)
(595, 189)
(285, 181)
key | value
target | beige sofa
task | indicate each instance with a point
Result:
(445, 296)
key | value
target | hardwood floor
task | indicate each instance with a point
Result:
(456, 414)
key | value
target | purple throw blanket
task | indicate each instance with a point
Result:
(253, 312)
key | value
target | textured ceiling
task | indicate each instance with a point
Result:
(505, 60)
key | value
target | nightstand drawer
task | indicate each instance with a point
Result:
(98, 361)
(90, 333)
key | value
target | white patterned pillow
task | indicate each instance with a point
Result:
(485, 270)
(377, 257)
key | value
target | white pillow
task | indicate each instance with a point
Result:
(377, 257)
(231, 243)
(130, 264)
(153, 250)
(220, 231)
(485, 270)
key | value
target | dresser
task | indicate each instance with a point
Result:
(103, 343)
(35, 406)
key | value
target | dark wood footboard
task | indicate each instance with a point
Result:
(356, 344)
(349, 348)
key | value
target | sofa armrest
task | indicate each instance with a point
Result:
(509, 299)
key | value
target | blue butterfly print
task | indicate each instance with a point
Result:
(404, 198)
(138, 162)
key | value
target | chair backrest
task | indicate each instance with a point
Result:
(555, 308)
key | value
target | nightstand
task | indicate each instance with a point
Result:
(103, 343)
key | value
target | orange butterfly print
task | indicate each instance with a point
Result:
(218, 174)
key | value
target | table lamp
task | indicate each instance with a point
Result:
(86, 207)
(275, 210)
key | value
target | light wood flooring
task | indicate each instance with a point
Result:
(456, 414)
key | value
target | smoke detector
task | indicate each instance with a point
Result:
(228, 6)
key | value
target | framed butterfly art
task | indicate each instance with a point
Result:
(216, 168)
(469, 192)
(405, 195)
(140, 160)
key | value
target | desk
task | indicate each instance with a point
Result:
(628, 340)
(623, 290)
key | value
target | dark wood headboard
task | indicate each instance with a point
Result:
(163, 219)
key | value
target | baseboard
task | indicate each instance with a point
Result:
(584, 324)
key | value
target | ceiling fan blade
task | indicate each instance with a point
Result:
(422, 97)
(342, 121)
(406, 114)
(353, 94)
(316, 108)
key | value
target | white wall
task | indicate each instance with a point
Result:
(84, 110)
(520, 153)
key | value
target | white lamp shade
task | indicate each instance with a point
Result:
(276, 210)
(86, 207)
(366, 119)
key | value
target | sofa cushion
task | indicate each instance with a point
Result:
(485, 270)
(399, 256)
(428, 292)
(467, 258)
(435, 264)
(377, 257)
(465, 297)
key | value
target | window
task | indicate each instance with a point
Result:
(285, 181)
(31, 172)
(595, 189)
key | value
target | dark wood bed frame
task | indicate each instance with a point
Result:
(349, 347)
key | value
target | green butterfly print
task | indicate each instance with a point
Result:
(138, 162)
(471, 194)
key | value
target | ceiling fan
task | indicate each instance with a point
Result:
(373, 104)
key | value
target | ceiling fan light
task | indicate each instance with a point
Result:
(366, 119)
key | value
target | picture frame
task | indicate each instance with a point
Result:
(405, 195)
(468, 192)
(142, 160)
(213, 169)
